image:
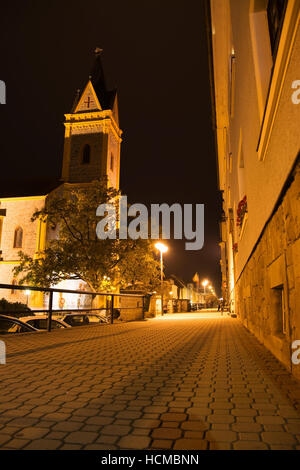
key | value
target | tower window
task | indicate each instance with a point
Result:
(111, 162)
(276, 10)
(18, 238)
(86, 154)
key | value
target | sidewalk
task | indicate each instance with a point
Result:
(186, 382)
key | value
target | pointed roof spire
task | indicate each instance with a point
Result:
(97, 75)
(99, 95)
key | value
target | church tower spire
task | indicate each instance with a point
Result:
(97, 75)
(92, 133)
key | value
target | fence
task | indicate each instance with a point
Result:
(50, 310)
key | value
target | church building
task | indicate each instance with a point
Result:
(91, 151)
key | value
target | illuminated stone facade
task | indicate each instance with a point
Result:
(255, 57)
(91, 151)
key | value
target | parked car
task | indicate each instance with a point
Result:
(10, 325)
(40, 322)
(97, 318)
(81, 319)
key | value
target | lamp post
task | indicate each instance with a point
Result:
(163, 249)
(27, 292)
(205, 283)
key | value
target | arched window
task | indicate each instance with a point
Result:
(86, 154)
(18, 238)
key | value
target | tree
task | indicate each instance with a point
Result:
(13, 309)
(74, 250)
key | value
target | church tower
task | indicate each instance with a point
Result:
(92, 134)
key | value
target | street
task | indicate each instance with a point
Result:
(183, 381)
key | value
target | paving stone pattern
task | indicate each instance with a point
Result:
(191, 381)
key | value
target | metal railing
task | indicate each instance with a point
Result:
(50, 310)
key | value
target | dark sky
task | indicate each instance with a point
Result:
(155, 53)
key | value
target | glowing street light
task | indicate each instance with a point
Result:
(204, 284)
(163, 249)
(27, 292)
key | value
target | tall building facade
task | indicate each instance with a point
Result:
(255, 81)
(91, 151)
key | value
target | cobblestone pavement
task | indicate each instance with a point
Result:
(194, 381)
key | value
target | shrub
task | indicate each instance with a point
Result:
(13, 309)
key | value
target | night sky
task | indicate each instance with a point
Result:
(155, 53)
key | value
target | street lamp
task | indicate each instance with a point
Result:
(204, 283)
(27, 292)
(163, 249)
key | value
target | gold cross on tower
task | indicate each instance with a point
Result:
(88, 101)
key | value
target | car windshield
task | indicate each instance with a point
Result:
(76, 320)
(42, 323)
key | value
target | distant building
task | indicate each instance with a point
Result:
(195, 295)
(255, 79)
(91, 151)
(178, 297)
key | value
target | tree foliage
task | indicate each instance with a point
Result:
(13, 309)
(74, 251)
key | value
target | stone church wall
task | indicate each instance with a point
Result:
(113, 173)
(268, 290)
(18, 214)
(6, 277)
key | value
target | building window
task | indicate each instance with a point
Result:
(231, 220)
(241, 175)
(111, 162)
(262, 52)
(279, 310)
(275, 10)
(232, 83)
(1, 227)
(18, 238)
(86, 154)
